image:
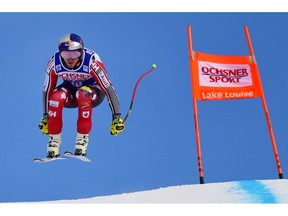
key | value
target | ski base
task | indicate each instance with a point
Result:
(71, 155)
(46, 159)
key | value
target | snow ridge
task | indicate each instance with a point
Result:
(254, 191)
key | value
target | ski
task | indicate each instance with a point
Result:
(46, 159)
(71, 155)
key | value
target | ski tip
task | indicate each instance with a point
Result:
(68, 153)
(37, 160)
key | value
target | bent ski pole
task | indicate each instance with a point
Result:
(134, 91)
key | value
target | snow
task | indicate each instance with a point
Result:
(181, 200)
(265, 191)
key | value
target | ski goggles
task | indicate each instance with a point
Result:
(71, 54)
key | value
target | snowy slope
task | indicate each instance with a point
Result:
(256, 191)
(257, 197)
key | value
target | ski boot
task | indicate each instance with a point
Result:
(53, 147)
(81, 144)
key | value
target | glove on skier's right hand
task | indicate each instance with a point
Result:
(117, 126)
(43, 126)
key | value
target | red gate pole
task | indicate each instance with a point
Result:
(201, 175)
(265, 108)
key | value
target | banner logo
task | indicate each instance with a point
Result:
(224, 75)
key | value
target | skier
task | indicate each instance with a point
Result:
(85, 84)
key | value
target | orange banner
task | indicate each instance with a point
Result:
(216, 77)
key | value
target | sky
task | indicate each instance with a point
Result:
(158, 148)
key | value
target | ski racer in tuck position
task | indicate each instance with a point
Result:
(85, 84)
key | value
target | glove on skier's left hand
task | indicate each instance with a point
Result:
(117, 126)
(43, 126)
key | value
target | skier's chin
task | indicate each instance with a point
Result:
(71, 65)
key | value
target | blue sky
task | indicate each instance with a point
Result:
(158, 146)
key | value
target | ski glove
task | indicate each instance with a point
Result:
(117, 126)
(43, 126)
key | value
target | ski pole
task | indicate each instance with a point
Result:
(134, 91)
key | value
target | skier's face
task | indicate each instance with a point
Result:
(71, 57)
